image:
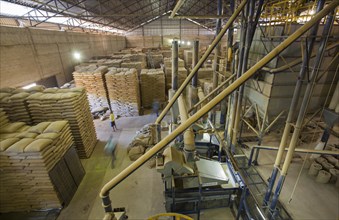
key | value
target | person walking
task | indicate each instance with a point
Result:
(112, 119)
(156, 106)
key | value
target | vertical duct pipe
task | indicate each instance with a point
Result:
(224, 109)
(193, 90)
(294, 104)
(235, 97)
(216, 60)
(195, 59)
(171, 92)
(248, 26)
(189, 144)
(303, 109)
(175, 51)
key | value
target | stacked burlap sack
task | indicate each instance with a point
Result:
(13, 102)
(325, 169)
(123, 91)
(144, 139)
(26, 161)
(66, 104)
(92, 78)
(152, 83)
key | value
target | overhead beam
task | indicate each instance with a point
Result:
(201, 16)
(177, 7)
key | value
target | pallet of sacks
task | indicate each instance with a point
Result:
(3, 118)
(136, 61)
(108, 62)
(152, 82)
(92, 78)
(66, 104)
(154, 58)
(30, 167)
(14, 104)
(123, 91)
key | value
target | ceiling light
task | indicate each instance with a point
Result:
(77, 55)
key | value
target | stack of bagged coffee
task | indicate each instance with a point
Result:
(166, 53)
(66, 104)
(155, 59)
(182, 72)
(26, 162)
(14, 104)
(137, 61)
(152, 83)
(3, 118)
(109, 62)
(123, 90)
(92, 78)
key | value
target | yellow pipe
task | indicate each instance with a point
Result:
(201, 61)
(177, 7)
(104, 193)
(189, 143)
(212, 92)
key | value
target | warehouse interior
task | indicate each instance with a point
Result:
(176, 109)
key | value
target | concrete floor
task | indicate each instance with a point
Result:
(142, 192)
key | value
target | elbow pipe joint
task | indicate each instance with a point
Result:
(106, 202)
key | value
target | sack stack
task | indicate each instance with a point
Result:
(137, 61)
(92, 78)
(14, 104)
(27, 163)
(66, 104)
(152, 83)
(108, 62)
(156, 58)
(3, 118)
(123, 90)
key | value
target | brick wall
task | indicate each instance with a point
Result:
(28, 55)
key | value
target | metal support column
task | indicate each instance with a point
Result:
(175, 51)
(293, 106)
(195, 59)
(230, 33)
(193, 90)
(303, 108)
(216, 60)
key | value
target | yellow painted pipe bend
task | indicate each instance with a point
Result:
(176, 215)
(135, 165)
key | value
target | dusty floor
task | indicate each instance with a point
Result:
(311, 200)
(142, 192)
